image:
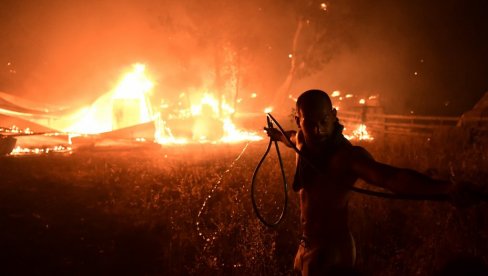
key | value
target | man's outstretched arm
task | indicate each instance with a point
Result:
(398, 180)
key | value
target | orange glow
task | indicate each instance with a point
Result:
(212, 123)
(207, 118)
(292, 98)
(335, 94)
(360, 133)
(16, 130)
(234, 135)
(28, 151)
(126, 105)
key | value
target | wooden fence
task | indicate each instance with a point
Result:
(380, 123)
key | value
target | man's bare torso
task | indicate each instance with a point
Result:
(324, 194)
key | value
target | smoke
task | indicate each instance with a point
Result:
(422, 57)
(413, 54)
(75, 50)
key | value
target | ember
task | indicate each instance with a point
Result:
(57, 149)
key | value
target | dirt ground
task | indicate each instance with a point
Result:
(187, 210)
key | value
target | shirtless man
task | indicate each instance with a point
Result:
(327, 245)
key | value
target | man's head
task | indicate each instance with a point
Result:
(315, 117)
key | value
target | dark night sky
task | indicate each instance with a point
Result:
(419, 55)
(427, 56)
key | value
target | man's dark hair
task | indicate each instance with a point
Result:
(310, 98)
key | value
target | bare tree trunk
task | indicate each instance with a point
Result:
(218, 76)
(237, 83)
(284, 89)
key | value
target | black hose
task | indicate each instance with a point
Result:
(285, 186)
(434, 197)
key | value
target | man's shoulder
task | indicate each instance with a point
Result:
(353, 152)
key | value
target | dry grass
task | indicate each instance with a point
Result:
(136, 211)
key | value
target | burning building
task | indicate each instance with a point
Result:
(126, 114)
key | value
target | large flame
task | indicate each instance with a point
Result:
(127, 104)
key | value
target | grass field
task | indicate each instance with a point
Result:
(186, 210)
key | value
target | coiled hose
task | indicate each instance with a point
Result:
(285, 186)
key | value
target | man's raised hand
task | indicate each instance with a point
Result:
(274, 134)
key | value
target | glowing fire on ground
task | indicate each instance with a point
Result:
(360, 133)
(129, 105)
(357, 122)
(16, 130)
(20, 150)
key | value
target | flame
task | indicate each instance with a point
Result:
(16, 130)
(26, 151)
(233, 135)
(212, 102)
(212, 123)
(360, 133)
(127, 104)
(134, 85)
